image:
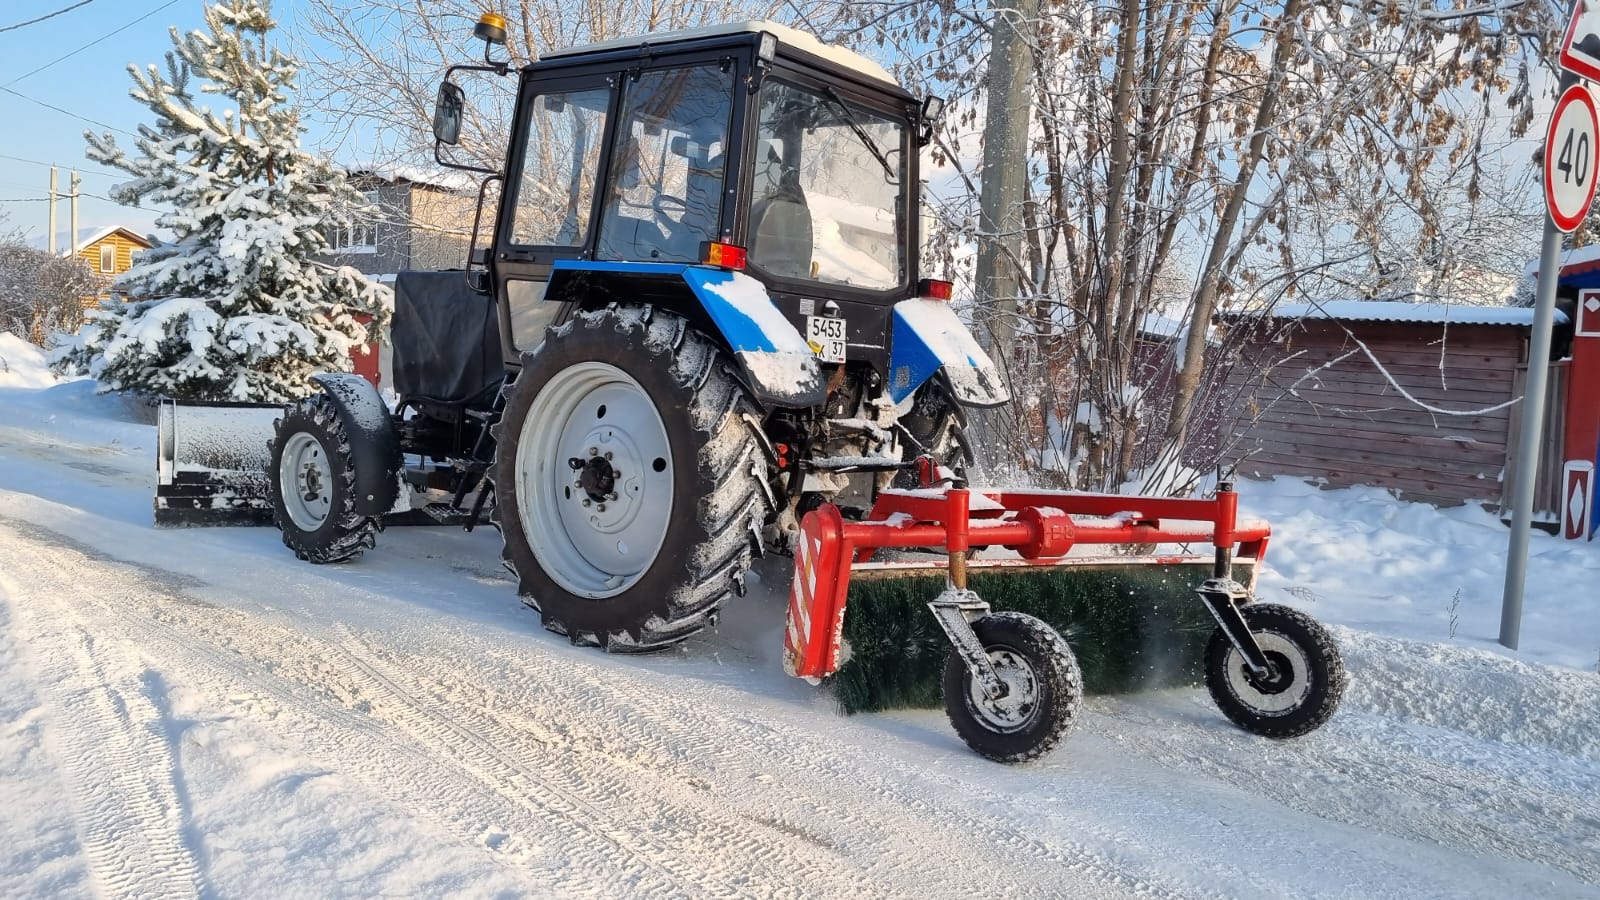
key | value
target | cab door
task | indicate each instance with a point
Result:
(549, 204)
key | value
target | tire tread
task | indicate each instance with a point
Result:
(1062, 683)
(1320, 646)
(716, 403)
(353, 533)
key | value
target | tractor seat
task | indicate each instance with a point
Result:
(781, 239)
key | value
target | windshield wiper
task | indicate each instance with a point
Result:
(861, 133)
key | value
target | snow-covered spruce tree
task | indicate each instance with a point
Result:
(237, 308)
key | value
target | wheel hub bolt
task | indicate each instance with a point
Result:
(600, 508)
(586, 503)
(594, 451)
(612, 495)
(608, 454)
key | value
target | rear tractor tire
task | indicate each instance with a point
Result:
(630, 487)
(312, 476)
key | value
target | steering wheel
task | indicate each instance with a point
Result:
(669, 208)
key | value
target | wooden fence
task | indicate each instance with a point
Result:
(1547, 499)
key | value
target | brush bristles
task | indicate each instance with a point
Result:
(1133, 627)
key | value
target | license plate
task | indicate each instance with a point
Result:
(825, 334)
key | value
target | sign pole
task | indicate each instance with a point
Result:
(1533, 403)
(1535, 390)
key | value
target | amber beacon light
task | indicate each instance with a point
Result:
(491, 28)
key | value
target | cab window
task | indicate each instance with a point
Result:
(561, 155)
(664, 189)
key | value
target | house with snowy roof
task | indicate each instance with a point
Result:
(108, 251)
(111, 251)
(420, 220)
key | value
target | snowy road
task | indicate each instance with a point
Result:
(195, 713)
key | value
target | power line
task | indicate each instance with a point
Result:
(45, 16)
(91, 43)
(64, 112)
(66, 196)
(75, 168)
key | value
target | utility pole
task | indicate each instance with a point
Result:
(1005, 171)
(50, 241)
(75, 181)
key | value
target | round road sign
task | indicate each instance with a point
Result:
(1571, 156)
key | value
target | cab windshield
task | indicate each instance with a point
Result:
(828, 198)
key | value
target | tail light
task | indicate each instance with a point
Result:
(934, 289)
(725, 256)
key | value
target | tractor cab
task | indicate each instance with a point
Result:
(747, 146)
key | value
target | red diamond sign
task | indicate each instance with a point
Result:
(1577, 480)
(1588, 324)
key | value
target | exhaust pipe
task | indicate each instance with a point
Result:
(211, 463)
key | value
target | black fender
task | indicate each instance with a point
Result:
(374, 441)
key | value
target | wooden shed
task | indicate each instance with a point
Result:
(1417, 398)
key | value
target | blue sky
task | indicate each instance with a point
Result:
(92, 84)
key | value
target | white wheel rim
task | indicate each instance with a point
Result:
(596, 412)
(1019, 706)
(1274, 703)
(306, 481)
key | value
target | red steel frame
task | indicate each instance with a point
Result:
(1041, 525)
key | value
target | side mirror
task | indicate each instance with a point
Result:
(449, 108)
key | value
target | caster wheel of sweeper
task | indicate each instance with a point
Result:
(1043, 690)
(1302, 690)
(312, 477)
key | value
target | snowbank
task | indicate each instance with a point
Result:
(1360, 558)
(22, 365)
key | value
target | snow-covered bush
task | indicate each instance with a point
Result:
(236, 308)
(41, 293)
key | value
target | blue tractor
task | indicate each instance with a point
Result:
(702, 314)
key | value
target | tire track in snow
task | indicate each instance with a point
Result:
(662, 736)
(632, 745)
(508, 797)
(493, 751)
(331, 720)
(106, 732)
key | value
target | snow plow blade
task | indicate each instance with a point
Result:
(211, 463)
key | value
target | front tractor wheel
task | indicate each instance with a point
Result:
(936, 425)
(629, 485)
(312, 476)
